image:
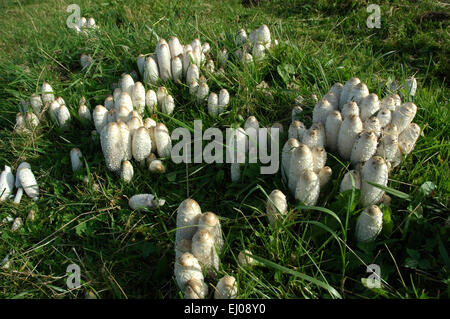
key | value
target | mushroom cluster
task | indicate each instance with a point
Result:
(124, 133)
(24, 181)
(31, 112)
(177, 62)
(252, 47)
(198, 243)
(84, 25)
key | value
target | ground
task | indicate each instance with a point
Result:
(129, 254)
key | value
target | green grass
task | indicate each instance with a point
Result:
(312, 254)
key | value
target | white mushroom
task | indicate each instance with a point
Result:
(141, 145)
(188, 214)
(6, 183)
(301, 158)
(351, 179)
(151, 72)
(111, 142)
(144, 201)
(76, 159)
(332, 126)
(349, 130)
(364, 147)
(369, 224)
(308, 187)
(151, 101)
(226, 288)
(374, 170)
(276, 206)
(163, 140)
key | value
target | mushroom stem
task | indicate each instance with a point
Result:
(18, 196)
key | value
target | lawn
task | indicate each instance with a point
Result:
(124, 253)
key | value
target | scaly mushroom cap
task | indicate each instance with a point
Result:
(36, 103)
(301, 158)
(404, 115)
(358, 93)
(351, 179)
(350, 108)
(332, 126)
(364, 147)
(374, 170)
(123, 114)
(349, 130)
(126, 83)
(336, 89)
(175, 47)
(210, 221)
(202, 92)
(111, 115)
(63, 116)
(187, 267)
(408, 138)
(308, 187)
(151, 101)
(47, 93)
(296, 130)
(192, 74)
(126, 141)
(75, 159)
(213, 100)
(195, 289)
(244, 259)
(111, 142)
(177, 68)
(124, 100)
(324, 175)
(84, 113)
(163, 141)
(28, 181)
(53, 110)
(138, 97)
(369, 224)
(226, 288)
(388, 147)
(6, 183)
(100, 117)
(369, 106)
(348, 86)
(141, 145)
(263, 35)
(258, 52)
(149, 123)
(143, 201)
(188, 214)
(156, 167)
(319, 158)
(169, 105)
(161, 95)
(286, 152)
(203, 248)
(163, 58)
(127, 172)
(151, 72)
(224, 99)
(384, 116)
(276, 206)
(321, 111)
(373, 124)
(333, 99)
